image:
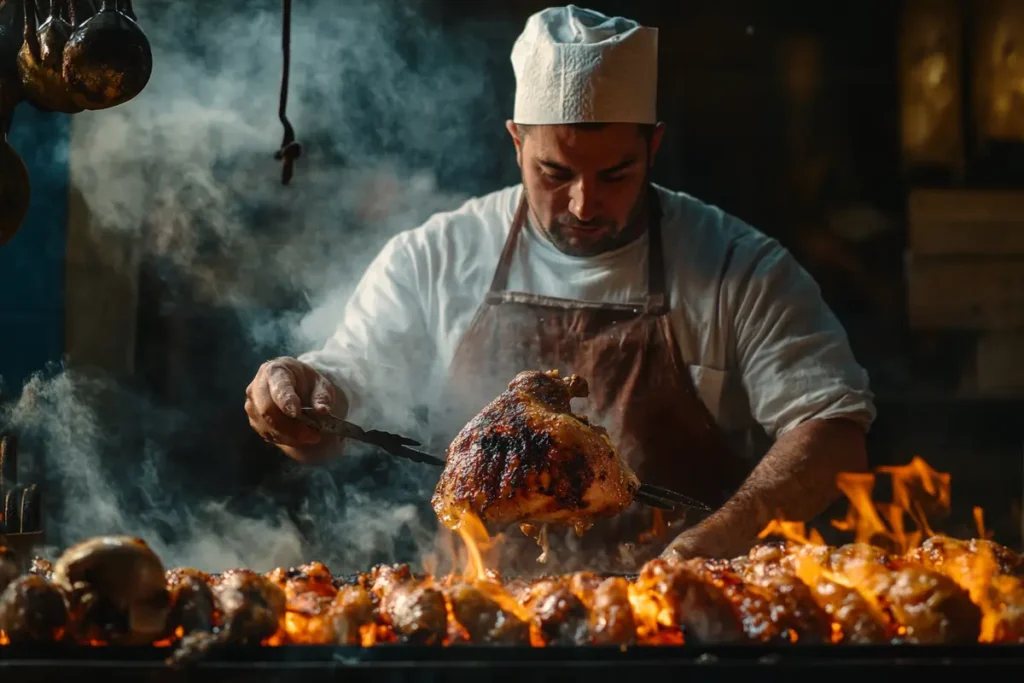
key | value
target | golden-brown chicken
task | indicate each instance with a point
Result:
(527, 458)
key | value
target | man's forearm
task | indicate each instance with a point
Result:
(796, 479)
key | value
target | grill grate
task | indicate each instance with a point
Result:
(400, 663)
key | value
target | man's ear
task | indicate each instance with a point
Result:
(517, 140)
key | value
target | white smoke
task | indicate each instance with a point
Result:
(182, 180)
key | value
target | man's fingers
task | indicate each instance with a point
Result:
(323, 395)
(281, 383)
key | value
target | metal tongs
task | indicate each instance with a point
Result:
(400, 446)
(394, 444)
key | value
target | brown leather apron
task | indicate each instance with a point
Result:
(640, 390)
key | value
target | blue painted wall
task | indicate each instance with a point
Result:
(32, 263)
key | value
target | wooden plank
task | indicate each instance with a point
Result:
(966, 293)
(965, 206)
(981, 222)
(999, 361)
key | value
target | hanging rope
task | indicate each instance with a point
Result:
(290, 149)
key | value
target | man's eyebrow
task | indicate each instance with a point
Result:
(553, 166)
(622, 165)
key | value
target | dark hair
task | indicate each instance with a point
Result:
(646, 130)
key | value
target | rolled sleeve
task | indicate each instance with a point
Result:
(380, 352)
(793, 353)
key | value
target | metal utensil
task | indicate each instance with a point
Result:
(394, 444)
(648, 494)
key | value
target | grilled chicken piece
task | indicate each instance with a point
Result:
(674, 595)
(116, 590)
(350, 611)
(858, 620)
(313, 577)
(484, 619)
(526, 458)
(252, 608)
(193, 607)
(987, 571)
(611, 615)
(384, 578)
(417, 612)
(930, 608)
(779, 609)
(559, 615)
(953, 556)
(33, 610)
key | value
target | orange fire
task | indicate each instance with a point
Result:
(894, 551)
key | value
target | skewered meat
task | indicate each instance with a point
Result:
(417, 612)
(33, 610)
(193, 607)
(117, 590)
(484, 619)
(527, 458)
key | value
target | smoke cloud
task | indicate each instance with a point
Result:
(399, 117)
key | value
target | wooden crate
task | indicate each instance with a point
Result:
(965, 292)
(966, 222)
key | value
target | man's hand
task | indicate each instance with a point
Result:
(274, 402)
(796, 478)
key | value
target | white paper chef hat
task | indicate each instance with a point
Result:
(575, 65)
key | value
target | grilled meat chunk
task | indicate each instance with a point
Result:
(193, 607)
(251, 606)
(484, 619)
(930, 608)
(417, 612)
(33, 610)
(351, 611)
(677, 596)
(526, 458)
(116, 588)
(611, 615)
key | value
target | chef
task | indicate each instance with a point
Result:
(693, 329)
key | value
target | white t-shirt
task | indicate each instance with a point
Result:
(762, 346)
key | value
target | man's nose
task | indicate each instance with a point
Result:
(583, 200)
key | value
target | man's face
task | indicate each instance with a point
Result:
(585, 185)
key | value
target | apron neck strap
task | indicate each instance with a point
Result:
(655, 301)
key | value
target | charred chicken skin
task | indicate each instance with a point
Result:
(526, 458)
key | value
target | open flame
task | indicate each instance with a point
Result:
(872, 585)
